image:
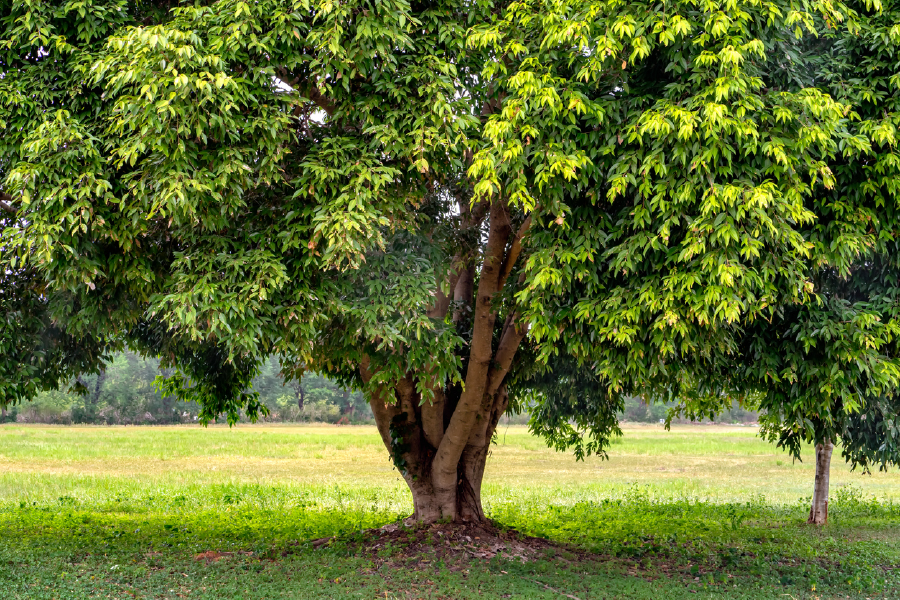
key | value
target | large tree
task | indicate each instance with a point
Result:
(451, 205)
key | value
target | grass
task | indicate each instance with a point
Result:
(124, 512)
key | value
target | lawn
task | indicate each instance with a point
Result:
(168, 512)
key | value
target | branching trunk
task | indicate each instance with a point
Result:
(818, 513)
(405, 433)
(441, 445)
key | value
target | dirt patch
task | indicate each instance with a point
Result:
(456, 547)
(448, 542)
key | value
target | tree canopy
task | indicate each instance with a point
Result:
(454, 206)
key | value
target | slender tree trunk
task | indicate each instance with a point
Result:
(166, 416)
(98, 387)
(818, 513)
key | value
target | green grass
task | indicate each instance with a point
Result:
(122, 512)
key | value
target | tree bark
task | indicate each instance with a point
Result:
(98, 386)
(301, 396)
(818, 513)
(404, 430)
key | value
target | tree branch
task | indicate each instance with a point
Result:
(511, 338)
(406, 392)
(320, 100)
(477, 213)
(433, 418)
(307, 89)
(514, 252)
(5, 199)
(382, 410)
(463, 291)
(442, 300)
(480, 355)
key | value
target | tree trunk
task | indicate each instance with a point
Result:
(98, 387)
(818, 513)
(410, 444)
(440, 443)
(346, 404)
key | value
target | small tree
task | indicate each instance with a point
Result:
(828, 371)
(825, 374)
(822, 371)
(449, 205)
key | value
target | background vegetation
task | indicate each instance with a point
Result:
(125, 394)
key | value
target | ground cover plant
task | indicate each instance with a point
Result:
(153, 512)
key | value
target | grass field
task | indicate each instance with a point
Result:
(700, 511)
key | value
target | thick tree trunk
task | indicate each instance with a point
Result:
(440, 442)
(462, 506)
(415, 457)
(413, 432)
(818, 513)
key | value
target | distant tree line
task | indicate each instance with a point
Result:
(125, 393)
(636, 410)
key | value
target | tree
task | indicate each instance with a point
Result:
(453, 206)
(823, 371)
(828, 371)
(833, 374)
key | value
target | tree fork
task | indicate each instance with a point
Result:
(413, 454)
(456, 435)
(442, 456)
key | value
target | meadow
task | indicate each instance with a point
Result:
(192, 512)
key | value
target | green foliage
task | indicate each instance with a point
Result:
(747, 249)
